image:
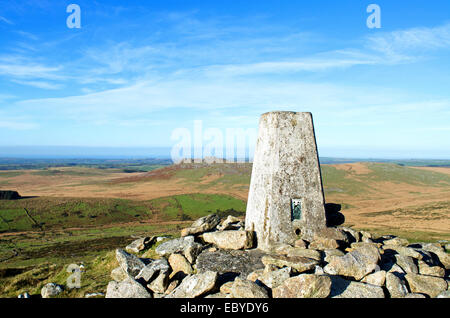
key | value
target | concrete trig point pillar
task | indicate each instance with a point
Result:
(286, 194)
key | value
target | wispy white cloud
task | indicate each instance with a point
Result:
(16, 123)
(40, 84)
(403, 45)
(207, 94)
(27, 35)
(3, 19)
(21, 67)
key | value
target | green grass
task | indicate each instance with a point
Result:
(44, 258)
(64, 246)
(400, 174)
(94, 278)
(231, 173)
(341, 181)
(59, 213)
(10, 174)
(338, 181)
(193, 206)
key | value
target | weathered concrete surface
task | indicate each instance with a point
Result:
(285, 167)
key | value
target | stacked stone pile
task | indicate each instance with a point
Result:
(217, 258)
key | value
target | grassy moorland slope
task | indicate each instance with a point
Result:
(373, 195)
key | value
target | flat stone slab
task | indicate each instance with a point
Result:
(238, 262)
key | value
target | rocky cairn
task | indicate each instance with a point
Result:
(217, 258)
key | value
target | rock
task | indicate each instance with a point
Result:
(233, 240)
(298, 263)
(295, 251)
(437, 252)
(357, 245)
(396, 286)
(129, 288)
(175, 246)
(322, 243)
(282, 249)
(218, 295)
(432, 247)
(309, 253)
(160, 283)
(444, 294)
(140, 244)
(356, 264)
(444, 258)
(150, 270)
(402, 250)
(396, 269)
(318, 270)
(179, 263)
(365, 239)
(255, 275)
(195, 285)
(228, 223)
(94, 295)
(129, 263)
(118, 274)
(304, 286)
(51, 290)
(378, 278)
(221, 261)
(172, 285)
(242, 288)
(429, 285)
(300, 243)
(192, 251)
(335, 233)
(407, 264)
(396, 241)
(425, 269)
(365, 234)
(355, 235)
(414, 295)
(332, 252)
(342, 288)
(202, 225)
(388, 264)
(226, 288)
(275, 278)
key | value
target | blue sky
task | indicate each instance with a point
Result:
(137, 70)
